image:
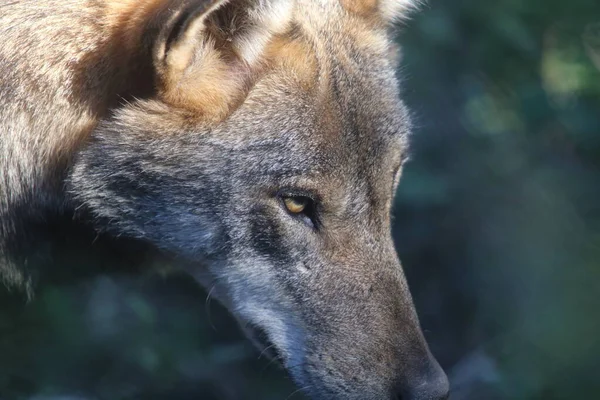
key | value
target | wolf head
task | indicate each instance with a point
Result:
(266, 162)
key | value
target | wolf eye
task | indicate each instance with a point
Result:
(302, 207)
(296, 205)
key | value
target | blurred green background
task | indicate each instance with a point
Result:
(497, 223)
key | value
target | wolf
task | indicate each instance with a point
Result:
(257, 144)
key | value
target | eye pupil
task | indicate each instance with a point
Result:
(295, 205)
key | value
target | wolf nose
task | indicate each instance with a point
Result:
(432, 385)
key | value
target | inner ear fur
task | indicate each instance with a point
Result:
(195, 70)
(209, 53)
(383, 10)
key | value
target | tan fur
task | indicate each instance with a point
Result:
(365, 8)
(382, 10)
(208, 88)
(127, 18)
(294, 56)
(209, 73)
(210, 70)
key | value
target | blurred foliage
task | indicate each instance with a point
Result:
(497, 222)
(498, 216)
(130, 338)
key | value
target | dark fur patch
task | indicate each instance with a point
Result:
(267, 239)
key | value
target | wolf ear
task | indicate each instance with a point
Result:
(388, 10)
(394, 10)
(209, 52)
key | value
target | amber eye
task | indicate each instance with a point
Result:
(301, 207)
(296, 204)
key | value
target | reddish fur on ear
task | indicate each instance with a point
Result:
(384, 10)
(207, 53)
(194, 73)
(294, 56)
(128, 19)
(204, 82)
(211, 65)
(364, 8)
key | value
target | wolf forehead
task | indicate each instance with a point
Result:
(336, 87)
(353, 109)
(300, 141)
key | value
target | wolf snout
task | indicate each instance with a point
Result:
(432, 384)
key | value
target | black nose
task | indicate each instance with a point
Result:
(430, 384)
